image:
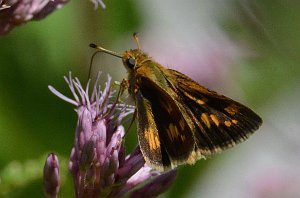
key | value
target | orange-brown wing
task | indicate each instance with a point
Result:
(220, 121)
(165, 138)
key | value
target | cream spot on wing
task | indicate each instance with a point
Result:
(181, 124)
(152, 139)
(231, 109)
(157, 142)
(227, 123)
(189, 95)
(173, 132)
(205, 119)
(234, 121)
(214, 119)
(182, 138)
(201, 102)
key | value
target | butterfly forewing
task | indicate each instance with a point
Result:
(220, 122)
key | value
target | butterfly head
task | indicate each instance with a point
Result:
(133, 59)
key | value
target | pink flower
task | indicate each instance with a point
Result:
(14, 13)
(98, 162)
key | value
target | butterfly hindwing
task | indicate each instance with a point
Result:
(163, 133)
(149, 140)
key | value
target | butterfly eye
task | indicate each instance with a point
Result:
(131, 63)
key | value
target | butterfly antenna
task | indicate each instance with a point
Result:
(91, 64)
(136, 38)
(100, 49)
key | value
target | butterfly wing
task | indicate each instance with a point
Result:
(166, 140)
(220, 121)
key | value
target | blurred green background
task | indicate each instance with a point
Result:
(247, 50)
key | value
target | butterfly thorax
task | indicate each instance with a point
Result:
(139, 65)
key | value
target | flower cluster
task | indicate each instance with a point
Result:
(98, 163)
(17, 12)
